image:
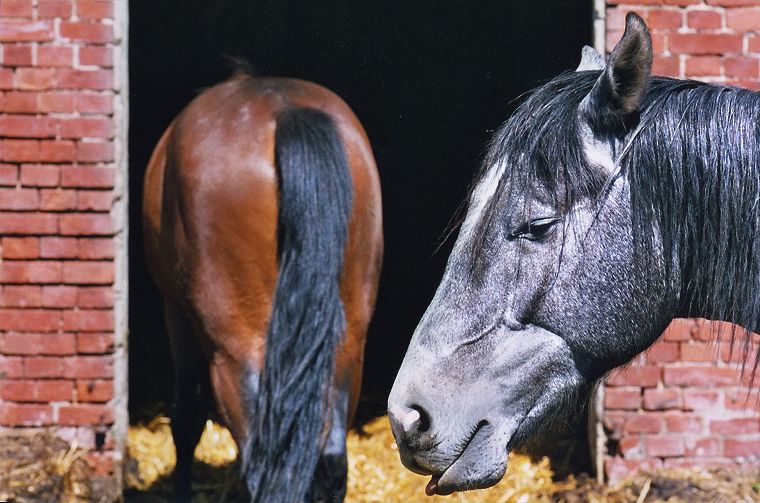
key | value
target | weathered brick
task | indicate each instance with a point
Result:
(20, 248)
(704, 19)
(55, 56)
(16, 8)
(12, 414)
(43, 366)
(644, 423)
(622, 398)
(736, 426)
(94, 390)
(54, 8)
(700, 376)
(663, 351)
(645, 376)
(21, 102)
(705, 43)
(88, 273)
(88, 177)
(95, 200)
(662, 446)
(88, 320)
(86, 224)
(59, 296)
(683, 423)
(733, 448)
(21, 296)
(28, 223)
(662, 399)
(25, 30)
(40, 175)
(29, 272)
(17, 54)
(84, 415)
(93, 32)
(59, 247)
(58, 200)
(95, 297)
(94, 343)
(89, 367)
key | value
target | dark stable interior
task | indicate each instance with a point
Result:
(429, 79)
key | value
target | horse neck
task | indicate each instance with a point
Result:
(701, 157)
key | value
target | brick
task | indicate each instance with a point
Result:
(88, 177)
(96, 56)
(12, 414)
(96, 298)
(19, 199)
(94, 343)
(662, 446)
(683, 423)
(43, 366)
(11, 367)
(95, 152)
(94, 9)
(6, 78)
(54, 8)
(742, 67)
(644, 423)
(58, 200)
(21, 150)
(52, 391)
(88, 320)
(645, 376)
(16, 8)
(20, 344)
(700, 400)
(95, 200)
(680, 330)
(96, 248)
(28, 223)
(40, 175)
(21, 296)
(622, 398)
(91, 273)
(57, 151)
(662, 399)
(59, 296)
(102, 463)
(21, 102)
(91, 127)
(30, 320)
(25, 272)
(630, 447)
(89, 367)
(662, 351)
(56, 102)
(705, 43)
(700, 376)
(22, 31)
(20, 248)
(666, 65)
(24, 126)
(8, 175)
(703, 447)
(83, 415)
(35, 78)
(733, 3)
(89, 103)
(754, 43)
(86, 224)
(55, 56)
(661, 19)
(17, 54)
(742, 399)
(704, 19)
(699, 352)
(735, 448)
(94, 391)
(736, 426)
(618, 468)
(18, 391)
(85, 79)
(96, 33)
(59, 247)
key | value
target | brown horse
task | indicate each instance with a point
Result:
(263, 231)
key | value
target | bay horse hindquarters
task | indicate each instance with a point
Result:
(263, 231)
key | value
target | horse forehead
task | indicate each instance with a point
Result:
(484, 191)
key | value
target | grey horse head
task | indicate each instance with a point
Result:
(568, 263)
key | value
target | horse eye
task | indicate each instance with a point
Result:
(534, 230)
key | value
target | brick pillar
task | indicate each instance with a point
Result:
(63, 223)
(685, 403)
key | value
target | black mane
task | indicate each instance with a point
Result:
(693, 162)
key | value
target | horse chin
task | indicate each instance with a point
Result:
(482, 463)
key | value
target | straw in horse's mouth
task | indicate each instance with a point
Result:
(432, 487)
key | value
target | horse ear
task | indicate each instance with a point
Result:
(590, 60)
(622, 85)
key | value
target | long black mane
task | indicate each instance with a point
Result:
(692, 157)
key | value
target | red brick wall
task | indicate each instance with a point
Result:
(682, 403)
(61, 224)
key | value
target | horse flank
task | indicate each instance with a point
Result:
(693, 164)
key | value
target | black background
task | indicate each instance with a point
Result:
(429, 79)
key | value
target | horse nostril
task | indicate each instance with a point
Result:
(423, 422)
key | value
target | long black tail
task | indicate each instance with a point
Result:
(307, 320)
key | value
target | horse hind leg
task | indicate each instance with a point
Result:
(331, 475)
(191, 400)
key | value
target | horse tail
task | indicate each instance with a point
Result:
(307, 320)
